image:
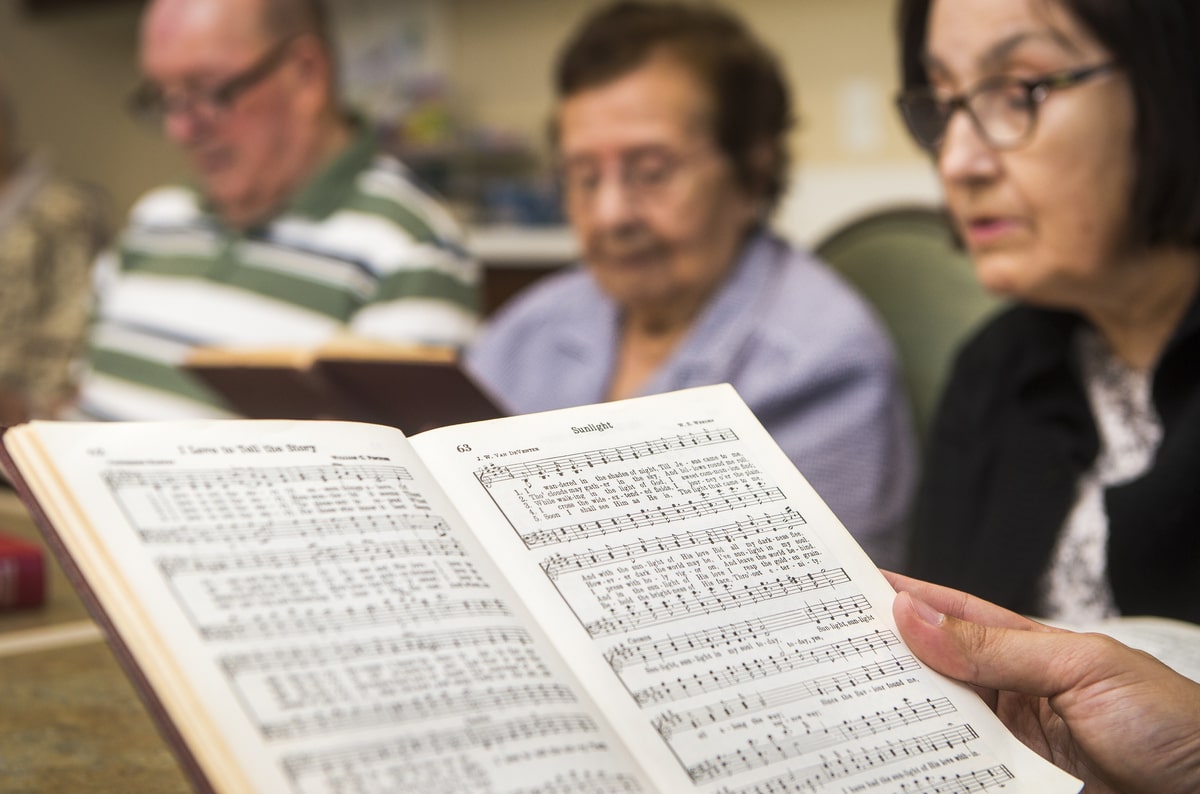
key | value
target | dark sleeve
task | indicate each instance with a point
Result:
(952, 475)
(1010, 440)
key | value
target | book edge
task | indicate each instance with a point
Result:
(167, 728)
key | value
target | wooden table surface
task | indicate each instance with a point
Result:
(69, 719)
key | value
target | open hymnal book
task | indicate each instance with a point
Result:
(1176, 643)
(411, 387)
(635, 596)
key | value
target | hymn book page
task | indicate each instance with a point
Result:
(307, 607)
(734, 633)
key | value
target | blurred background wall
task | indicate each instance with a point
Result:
(471, 91)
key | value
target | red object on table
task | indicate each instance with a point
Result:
(22, 573)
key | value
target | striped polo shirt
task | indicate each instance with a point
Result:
(360, 249)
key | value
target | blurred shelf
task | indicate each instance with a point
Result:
(523, 246)
(514, 257)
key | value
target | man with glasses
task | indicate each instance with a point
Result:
(297, 227)
(670, 131)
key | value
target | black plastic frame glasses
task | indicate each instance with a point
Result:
(150, 105)
(1002, 108)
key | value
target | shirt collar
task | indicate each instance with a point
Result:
(330, 189)
(326, 192)
(719, 330)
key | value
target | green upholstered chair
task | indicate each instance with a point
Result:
(904, 261)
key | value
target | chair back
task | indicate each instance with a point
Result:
(905, 262)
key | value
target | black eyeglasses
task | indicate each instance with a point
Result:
(1002, 108)
(150, 105)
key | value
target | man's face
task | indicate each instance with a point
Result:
(655, 204)
(250, 147)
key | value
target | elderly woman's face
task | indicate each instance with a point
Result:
(654, 203)
(1043, 221)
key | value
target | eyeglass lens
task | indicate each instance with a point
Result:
(1002, 113)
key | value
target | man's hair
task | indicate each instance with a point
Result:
(285, 18)
(1156, 44)
(751, 101)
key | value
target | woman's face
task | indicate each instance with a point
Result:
(655, 205)
(1046, 222)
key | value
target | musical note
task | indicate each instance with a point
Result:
(758, 669)
(361, 552)
(247, 477)
(761, 754)
(651, 516)
(558, 564)
(425, 742)
(842, 764)
(394, 712)
(294, 621)
(671, 723)
(696, 603)
(731, 633)
(323, 654)
(979, 780)
(493, 473)
(257, 529)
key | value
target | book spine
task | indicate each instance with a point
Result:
(22, 574)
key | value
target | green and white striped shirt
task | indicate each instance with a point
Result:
(361, 248)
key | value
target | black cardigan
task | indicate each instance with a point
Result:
(1013, 435)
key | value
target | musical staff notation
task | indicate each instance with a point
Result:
(635, 653)
(714, 600)
(362, 552)
(720, 501)
(763, 754)
(758, 669)
(444, 704)
(294, 621)
(576, 463)
(322, 655)
(426, 742)
(256, 530)
(841, 764)
(558, 564)
(671, 723)
(980, 780)
(249, 477)
(588, 782)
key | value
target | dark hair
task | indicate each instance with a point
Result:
(283, 18)
(752, 104)
(1157, 45)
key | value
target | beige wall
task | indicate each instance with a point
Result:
(69, 74)
(501, 51)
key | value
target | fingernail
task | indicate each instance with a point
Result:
(927, 613)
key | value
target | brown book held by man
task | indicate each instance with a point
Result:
(414, 388)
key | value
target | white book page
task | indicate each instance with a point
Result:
(338, 628)
(734, 633)
(1176, 643)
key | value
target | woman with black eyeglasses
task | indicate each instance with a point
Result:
(1063, 466)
